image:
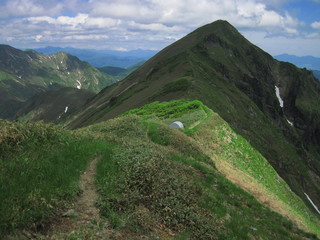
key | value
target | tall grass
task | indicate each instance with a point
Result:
(39, 170)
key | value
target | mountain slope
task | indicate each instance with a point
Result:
(154, 182)
(53, 106)
(25, 73)
(239, 81)
(316, 74)
(43, 71)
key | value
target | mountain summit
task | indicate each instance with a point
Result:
(272, 104)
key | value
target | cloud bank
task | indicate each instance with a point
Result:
(151, 24)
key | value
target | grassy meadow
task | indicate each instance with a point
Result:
(154, 182)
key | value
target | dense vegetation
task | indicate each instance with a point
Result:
(39, 170)
(153, 181)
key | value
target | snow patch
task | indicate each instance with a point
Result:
(315, 207)
(61, 62)
(278, 96)
(57, 67)
(66, 109)
(79, 84)
(20, 77)
(68, 73)
(291, 123)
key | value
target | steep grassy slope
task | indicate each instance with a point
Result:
(154, 182)
(53, 106)
(236, 79)
(43, 71)
(25, 73)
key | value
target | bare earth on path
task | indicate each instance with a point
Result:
(82, 219)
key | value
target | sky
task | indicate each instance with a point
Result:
(276, 26)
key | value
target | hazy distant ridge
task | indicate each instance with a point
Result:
(102, 58)
(309, 62)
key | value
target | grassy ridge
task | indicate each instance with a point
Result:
(154, 181)
(237, 156)
(39, 170)
(234, 155)
(158, 182)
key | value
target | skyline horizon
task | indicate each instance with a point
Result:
(276, 26)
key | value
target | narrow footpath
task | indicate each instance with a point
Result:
(82, 219)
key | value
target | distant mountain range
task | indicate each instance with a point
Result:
(309, 62)
(102, 58)
(26, 73)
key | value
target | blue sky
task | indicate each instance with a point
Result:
(277, 26)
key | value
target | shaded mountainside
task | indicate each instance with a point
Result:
(316, 74)
(154, 182)
(239, 81)
(43, 71)
(53, 106)
(25, 73)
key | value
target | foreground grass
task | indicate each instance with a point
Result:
(39, 170)
(154, 182)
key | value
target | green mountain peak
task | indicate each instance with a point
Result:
(236, 79)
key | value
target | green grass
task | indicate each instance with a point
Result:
(153, 180)
(178, 85)
(165, 110)
(146, 183)
(39, 170)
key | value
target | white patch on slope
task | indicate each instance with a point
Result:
(79, 84)
(66, 109)
(57, 67)
(278, 96)
(291, 123)
(68, 73)
(61, 62)
(315, 207)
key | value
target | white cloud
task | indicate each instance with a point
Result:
(277, 45)
(121, 49)
(86, 37)
(133, 24)
(30, 8)
(80, 20)
(38, 38)
(315, 25)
